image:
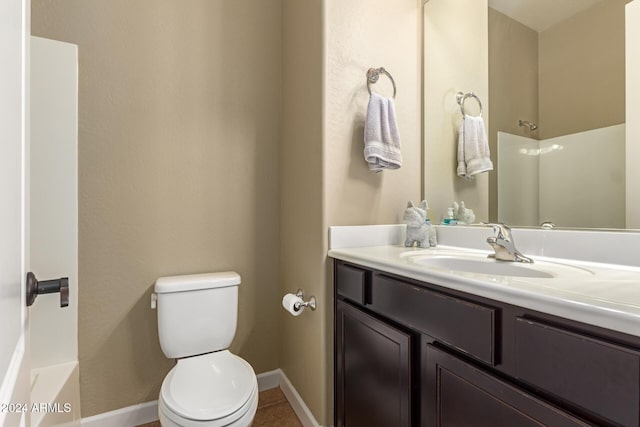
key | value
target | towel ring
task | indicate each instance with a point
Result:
(461, 97)
(372, 77)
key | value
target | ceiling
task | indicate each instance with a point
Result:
(541, 14)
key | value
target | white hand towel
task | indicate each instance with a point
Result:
(381, 136)
(473, 148)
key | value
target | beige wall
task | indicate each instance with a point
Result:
(178, 158)
(513, 87)
(582, 83)
(362, 34)
(188, 164)
(456, 59)
(324, 178)
(303, 339)
(632, 114)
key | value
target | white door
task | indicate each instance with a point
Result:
(14, 121)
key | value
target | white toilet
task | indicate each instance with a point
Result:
(209, 386)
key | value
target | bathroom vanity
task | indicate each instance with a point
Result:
(413, 347)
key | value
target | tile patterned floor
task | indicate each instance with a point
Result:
(273, 411)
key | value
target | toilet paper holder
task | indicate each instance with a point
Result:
(311, 303)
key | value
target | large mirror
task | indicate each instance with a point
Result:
(551, 78)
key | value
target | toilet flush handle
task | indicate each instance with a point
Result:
(154, 300)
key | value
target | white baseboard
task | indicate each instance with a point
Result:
(143, 413)
(56, 383)
(299, 407)
(130, 416)
(269, 380)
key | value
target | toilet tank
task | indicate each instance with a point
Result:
(197, 313)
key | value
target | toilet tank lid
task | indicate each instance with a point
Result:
(194, 282)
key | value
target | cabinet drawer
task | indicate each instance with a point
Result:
(598, 376)
(462, 324)
(351, 283)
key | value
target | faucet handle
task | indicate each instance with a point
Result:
(503, 245)
(502, 231)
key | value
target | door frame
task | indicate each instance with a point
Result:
(15, 381)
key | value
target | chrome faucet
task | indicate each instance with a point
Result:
(502, 244)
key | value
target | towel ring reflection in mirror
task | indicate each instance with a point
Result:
(372, 77)
(462, 97)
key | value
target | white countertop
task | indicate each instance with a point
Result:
(604, 295)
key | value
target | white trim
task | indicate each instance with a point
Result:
(56, 384)
(269, 380)
(13, 370)
(299, 407)
(148, 412)
(124, 417)
(607, 246)
(10, 381)
(348, 236)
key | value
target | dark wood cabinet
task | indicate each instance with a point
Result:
(468, 326)
(596, 375)
(457, 393)
(409, 353)
(373, 366)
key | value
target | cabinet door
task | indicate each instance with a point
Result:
(456, 393)
(373, 371)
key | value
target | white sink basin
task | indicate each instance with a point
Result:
(481, 264)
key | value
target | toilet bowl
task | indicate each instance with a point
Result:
(212, 390)
(209, 386)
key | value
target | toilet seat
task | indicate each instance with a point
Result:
(215, 389)
(242, 418)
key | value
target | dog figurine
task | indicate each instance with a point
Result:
(418, 231)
